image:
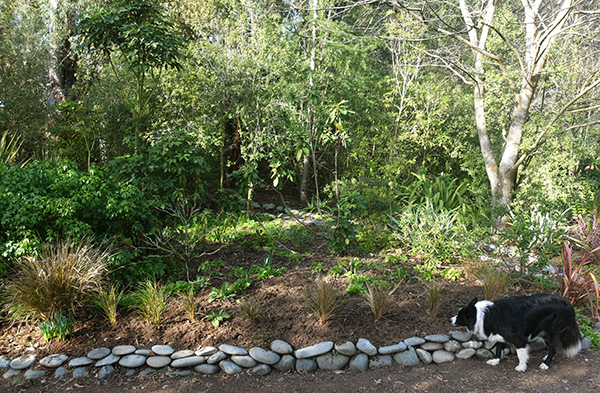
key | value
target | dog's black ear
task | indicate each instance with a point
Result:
(475, 300)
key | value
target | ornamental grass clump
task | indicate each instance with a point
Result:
(187, 300)
(151, 301)
(435, 295)
(380, 300)
(59, 280)
(494, 281)
(107, 301)
(325, 300)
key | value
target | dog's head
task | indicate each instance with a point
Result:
(466, 316)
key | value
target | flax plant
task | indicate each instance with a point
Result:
(325, 300)
(380, 300)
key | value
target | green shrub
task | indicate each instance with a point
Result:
(60, 279)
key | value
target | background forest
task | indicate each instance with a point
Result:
(146, 133)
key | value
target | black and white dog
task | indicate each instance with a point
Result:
(516, 321)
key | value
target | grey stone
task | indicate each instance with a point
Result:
(281, 347)
(188, 362)
(147, 371)
(380, 361)
(484, 353)
(306, 365)
(132, 361)
(34, 374)
(4, 362)
(437, 338)
(472, 344)
(442, 357)
(407, 358)
(365, 346)
(206, 351)
(461, 336)
(107, 361)
(330, 361)
(391, 349)
(143, 352)
(216, 357)
(180, 373)
(414, 341)
(159, 361)
(597, 326)
(244, 361)
(264, 356)
(122, 350)
(207, 369)
(314, 350)
(586, 344)
(60, 372)
(466, 353)
(232, 350)
(424, 356)
(262, 369)
(229, 367)
(452, 346)
(130, 372)
(182, 354)
(98, 353)
(80, 372)
(22, 362)
(268, 206)
(105, 370)
(431, 346)
(348, 348)
(537, 344)
(360, 362)
(54, 361)
(163, 350)
(286, 363)
(11, 373)
(80, 362)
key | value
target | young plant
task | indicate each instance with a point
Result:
(107, 301)
(251, 308)
(60, 278)
(187, 299)
(435, 295)
(151, 300)
(579, 282)
(224, 292)
(325, 300)
(495, 281)
(380, 300)
(216, 318)
(60, 326)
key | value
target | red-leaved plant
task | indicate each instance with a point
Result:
(579, 281)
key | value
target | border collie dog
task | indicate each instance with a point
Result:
(516, 321)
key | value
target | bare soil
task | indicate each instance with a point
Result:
(286, 315)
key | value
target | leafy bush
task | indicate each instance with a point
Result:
(60, 279)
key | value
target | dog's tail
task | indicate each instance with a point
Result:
(571, 340)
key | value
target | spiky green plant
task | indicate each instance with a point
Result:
(380, 300)
(107, 301)
(60, 279)
(187, 299)
(494, 280)
(325, 300)
(151, 301)
(435, 295)
(250, 308)
(60, 326)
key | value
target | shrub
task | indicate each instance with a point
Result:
(151, 300)
(579, 282)
(325, 300)
(60, 279)
(107, 301)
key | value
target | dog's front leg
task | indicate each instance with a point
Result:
(523, 355)
(499, 354)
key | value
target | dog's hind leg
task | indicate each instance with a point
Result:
(499, 354)
(523, 355)
(548, 358)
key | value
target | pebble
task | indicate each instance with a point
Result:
(80, 362)
(244, 361)
(182, 354)
(54, 361)
(132, 361)
(305, 366)
(414, 341)
(98, 353)
(314, 350)
(122, 350)
(348, 348)
(365, 346)
(60, 372)
(380, 361)
(147, 371)
(264, 356)
(424, 356)
(207, 369)
(286, 363)
(281, 347)
(391, 349)
(159, 361)
(107, 361)
(162, 350)
(442, 357)
(432, 346)
(4, 362)
(143, 352)
(262, 369)
(206, 351)
(229, 367)
(216, 358)
(233, 350)
(190, 361)
(106, 370)
(360, 362)
(22, 362)
(437, 338)
(331, 361)
(130, 372)
(407, 358)
(34, 374)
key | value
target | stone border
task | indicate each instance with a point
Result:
(229, 359)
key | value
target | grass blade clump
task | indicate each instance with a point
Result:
(107, 301)
(325, 300)
(380, 300)
(435, 295)
(151, 301)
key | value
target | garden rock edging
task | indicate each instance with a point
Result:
(229, 359)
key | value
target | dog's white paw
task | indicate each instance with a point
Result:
(544, 366)
(493, 362)
(521, 368)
